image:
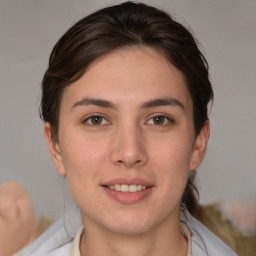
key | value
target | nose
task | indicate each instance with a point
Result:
(129, 148)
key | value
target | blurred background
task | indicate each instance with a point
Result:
(227, 33)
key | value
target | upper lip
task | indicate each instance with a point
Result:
(128, 181)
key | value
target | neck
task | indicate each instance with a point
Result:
(165, 239)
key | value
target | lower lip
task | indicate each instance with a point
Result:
(128, 198)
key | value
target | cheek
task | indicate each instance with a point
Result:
(173, 153)
(84, 161)
(81, 154)
(81, 163)
(171, 161)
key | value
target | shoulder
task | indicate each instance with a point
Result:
(62, 251)
(54, 242)
(204, 242)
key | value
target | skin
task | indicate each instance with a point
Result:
(17, 218)
(129, 142)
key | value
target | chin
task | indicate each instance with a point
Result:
(131, 224)
(127, 229)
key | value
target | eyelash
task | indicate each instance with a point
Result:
(85, 121)
(167, 120)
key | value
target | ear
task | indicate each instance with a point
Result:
(200, 146)
(54, 149)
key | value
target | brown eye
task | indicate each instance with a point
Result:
(96, 120)
(158, 120)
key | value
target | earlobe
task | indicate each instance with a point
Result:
(54, 149)
(200, 146)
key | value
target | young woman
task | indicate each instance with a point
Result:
(124, 101)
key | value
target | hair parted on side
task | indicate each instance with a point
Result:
(130, 24)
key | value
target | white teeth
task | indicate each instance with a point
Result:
(124, 188)
(132, 188)
(117, 187)
(127, 188)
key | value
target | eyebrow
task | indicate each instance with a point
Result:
(163, 102)
(96, 102)
(148, 104)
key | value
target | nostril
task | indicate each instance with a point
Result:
(129, 157)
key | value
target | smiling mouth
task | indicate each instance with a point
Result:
(127, 188)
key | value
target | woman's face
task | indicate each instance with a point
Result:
(127, 125)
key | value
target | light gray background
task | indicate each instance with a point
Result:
(227, 32)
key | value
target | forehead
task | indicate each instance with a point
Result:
(130, 75)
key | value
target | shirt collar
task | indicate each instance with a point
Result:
(75, 247)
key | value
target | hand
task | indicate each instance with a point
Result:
(17, 218)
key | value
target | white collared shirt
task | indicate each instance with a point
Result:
(57, 242)
(75, 251)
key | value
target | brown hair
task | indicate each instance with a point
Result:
(127, 25)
